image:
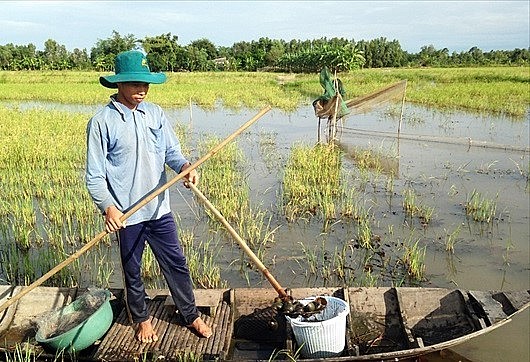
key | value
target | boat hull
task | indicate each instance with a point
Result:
(383, 323)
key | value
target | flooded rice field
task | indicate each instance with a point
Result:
(444, 157)
(440, 159)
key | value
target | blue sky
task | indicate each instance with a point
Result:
(456, 25)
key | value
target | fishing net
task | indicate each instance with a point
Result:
(331, 102)
(60, 321)
(369, 101)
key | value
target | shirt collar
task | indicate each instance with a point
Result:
(122, 109)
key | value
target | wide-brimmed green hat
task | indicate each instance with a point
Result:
(131, 66)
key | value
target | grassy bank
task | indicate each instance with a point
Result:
(498, 90)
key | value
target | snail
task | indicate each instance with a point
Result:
(272, 324)
(310, 307)
(277, 305)
(288, 307)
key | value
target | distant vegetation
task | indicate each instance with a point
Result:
(499, 90)
(297, 56)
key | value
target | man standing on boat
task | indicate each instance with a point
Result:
(129, 143)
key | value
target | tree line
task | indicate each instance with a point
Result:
(300, 56)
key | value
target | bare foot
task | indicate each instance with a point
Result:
(145, 332)
(201, 328)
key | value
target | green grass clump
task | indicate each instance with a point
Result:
(312, 181)
(480, 208)
(413, 207)
(202, 259)
(414, 260)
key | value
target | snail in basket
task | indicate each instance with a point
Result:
(295, 308)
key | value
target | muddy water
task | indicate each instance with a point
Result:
(443, 157)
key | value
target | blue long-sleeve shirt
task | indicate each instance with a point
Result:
(127, 151)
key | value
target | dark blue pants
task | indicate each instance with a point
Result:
(162, 237)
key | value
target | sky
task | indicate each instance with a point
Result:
(455, 25)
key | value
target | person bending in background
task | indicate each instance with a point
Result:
(129, 142)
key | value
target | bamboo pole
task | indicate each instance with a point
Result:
(402, 108)
(281, 292)
(135, 208)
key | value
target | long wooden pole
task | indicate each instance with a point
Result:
(281, 292)
(127, 214)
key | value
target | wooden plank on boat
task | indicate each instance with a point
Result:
(518, 299)
(174, 339)
(351, 348)
(375, 320)
(114, 335)
(171, 333)
(413, 341)
(491, 308)
(207, 299)
(214, 347)
(435, 314)
(228, 328)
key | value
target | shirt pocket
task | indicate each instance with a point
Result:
(155, 140)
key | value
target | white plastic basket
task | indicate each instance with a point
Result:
(323, 334)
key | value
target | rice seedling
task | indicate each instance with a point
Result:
(413, 207)
(310, 259)
(409, 202)
(367, 159)
(22, 353)
(224, 183)
(269, 150)
(329, 266)
(480, 208)
(389, 186)
(348, 203)
(183, 133)
(368, 279)
(46, 205)
(425, 214)
(312, 182)
(414, 259)
(202, 259)
(188, 357)
(451, 239)
(285, 355)
(523, 171)
(453, 191)
(150, 269)
(105, 269)
(222, 180)
(339, 262)
(364, 234)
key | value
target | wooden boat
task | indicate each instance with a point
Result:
(383, 323)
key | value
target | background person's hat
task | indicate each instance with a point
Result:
(131, 66)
